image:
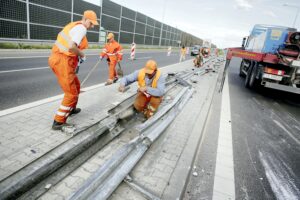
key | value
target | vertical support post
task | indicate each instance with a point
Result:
(134, 27)
(28, 19)
(72, 10)
(145, 30)
(120, 24)
(163, 19)
(100, 22)
(153, 33)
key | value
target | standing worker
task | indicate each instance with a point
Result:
(65, 57)
(182, 53)
(114, 54)
(151, 88)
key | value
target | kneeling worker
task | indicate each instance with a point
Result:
(151, 88)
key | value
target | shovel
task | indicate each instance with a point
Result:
(120, 71)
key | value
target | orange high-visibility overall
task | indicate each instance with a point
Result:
(113, 51)
(63, 63)
(145, 102)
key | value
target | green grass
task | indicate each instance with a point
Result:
(7, 45)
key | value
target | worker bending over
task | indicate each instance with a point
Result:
(198, 61)
(114, 54)
(64, 59)
(151, 88)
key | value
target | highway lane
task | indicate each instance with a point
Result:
(266, 143)
(38, 82)
(266, 137)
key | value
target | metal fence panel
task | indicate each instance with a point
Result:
(150, 21)
(111, 8)
(13, 30)
(155, 41)
(139, 39)
(43, 15)
(140, 28)
(48, 17)
(148, 40)
(81, 6)
(58, 4)
(157, 32)
(141, 18)
(149, 31)
(12, 9)
(128, 13)
(126, 38)
(92, 37)
(110, 23)
(127, 25)
(43, 32)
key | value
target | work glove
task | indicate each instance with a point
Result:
(121, 88)
(81, 59)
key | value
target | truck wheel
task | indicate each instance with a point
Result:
(252, 79)
(248, 75)
(241, 74)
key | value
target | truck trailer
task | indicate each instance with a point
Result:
(270, 58)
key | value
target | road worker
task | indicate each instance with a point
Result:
(182, 53)
(113, 52)
(151, 88)
(198, 61)
(66, 55)
(205, 52)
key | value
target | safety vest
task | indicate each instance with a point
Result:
(64, 42)
(141, 78)
(113, 50)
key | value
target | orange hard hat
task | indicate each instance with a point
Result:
(91, 15)
(150, 67)
(110, 35)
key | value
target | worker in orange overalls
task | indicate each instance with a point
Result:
(64, 59)
(151, 89)
(114, 54)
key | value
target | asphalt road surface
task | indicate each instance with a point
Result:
(25, 76)
(266, 143)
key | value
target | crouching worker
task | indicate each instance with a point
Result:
(151, 88)
(198, 61)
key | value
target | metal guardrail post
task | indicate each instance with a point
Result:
(28, 19)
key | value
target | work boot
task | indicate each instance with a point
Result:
(59, 125)
(75, 111)
(109, 82)
(115, 79)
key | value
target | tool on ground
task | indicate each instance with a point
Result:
(87, 76)
(119, 70)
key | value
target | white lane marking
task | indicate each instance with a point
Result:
(35, 68)
(140, 58)
(20, 70)
(43, 101)
(54, 98)
(224, 187)
(46, 56)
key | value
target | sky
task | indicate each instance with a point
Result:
(225, 22)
